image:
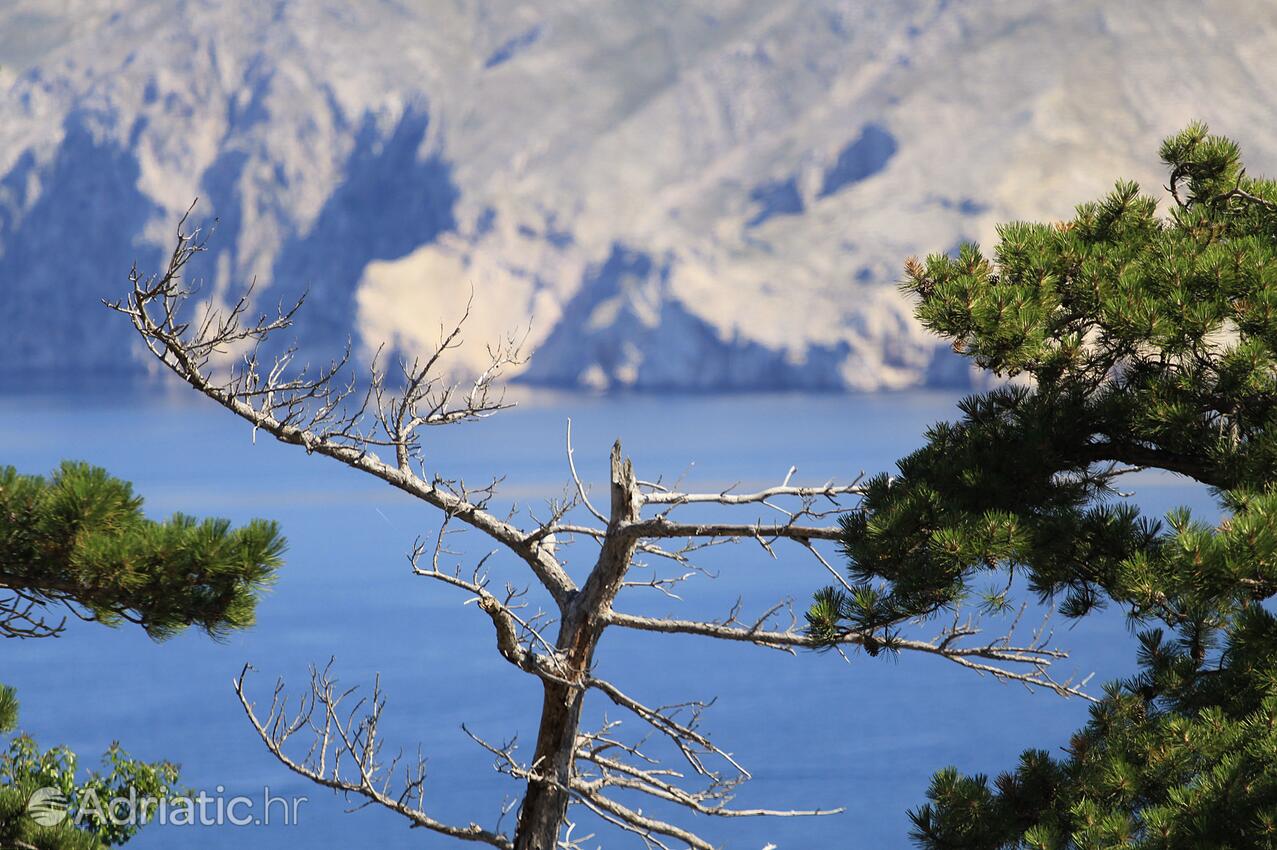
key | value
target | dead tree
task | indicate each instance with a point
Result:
(376, 426)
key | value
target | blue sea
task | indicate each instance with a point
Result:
(814, 729)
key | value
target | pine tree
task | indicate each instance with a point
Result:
(1140, 341)
(79, 542)
(1183, 755)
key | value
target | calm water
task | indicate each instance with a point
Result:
(814, 730)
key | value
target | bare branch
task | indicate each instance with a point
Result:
(828, 490)
(664, 719)
(21, 616)
(647, 828)
(995, 658)
(661, 527)
(345, 752)
(576, 479)
(312, 412)
(621, 775)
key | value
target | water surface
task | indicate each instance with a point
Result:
(814, 729)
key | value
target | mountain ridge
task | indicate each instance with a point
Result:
(708, 197)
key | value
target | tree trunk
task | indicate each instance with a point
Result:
(545, 803)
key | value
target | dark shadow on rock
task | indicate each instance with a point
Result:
(626, 330)
(69, 232)
(391, 202)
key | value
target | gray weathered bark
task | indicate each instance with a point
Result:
(545, 804)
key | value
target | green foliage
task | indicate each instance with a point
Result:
(80, 538)
(8, 708)
(91, 821)
(1138, 340)
(1182, 756)
(1148, 341)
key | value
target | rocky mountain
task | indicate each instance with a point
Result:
(712, 195)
